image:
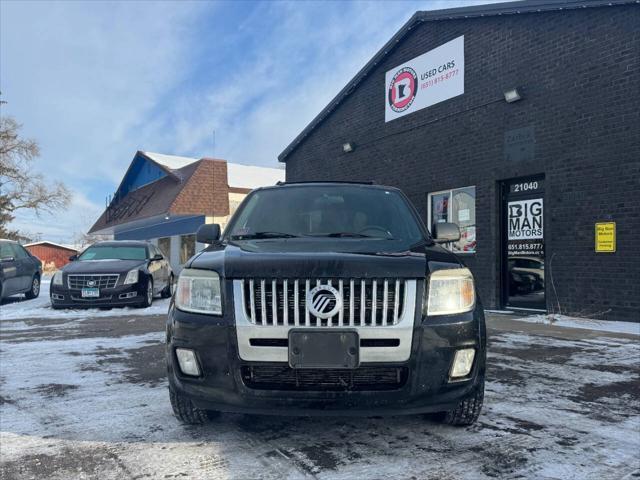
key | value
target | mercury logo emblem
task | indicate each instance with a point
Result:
(324, 301)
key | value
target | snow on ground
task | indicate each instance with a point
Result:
(632, 328)
(87, 398)
(17, 307)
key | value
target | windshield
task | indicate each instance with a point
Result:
(114, 253)
(326, 211)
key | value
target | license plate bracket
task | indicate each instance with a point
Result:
(90, 293)
(318, 348)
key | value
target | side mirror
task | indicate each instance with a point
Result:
(446, 232)
(73, 258)
(6, 259)
(157, 258)
(208, 233)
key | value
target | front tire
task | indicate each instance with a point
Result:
(148, 294)
(185, 411)
(167, 292)
(468, 410)
(35, 288)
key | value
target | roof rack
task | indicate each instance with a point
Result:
(371, 182)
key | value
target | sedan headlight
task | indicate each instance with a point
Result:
(57, 278)
(450, 291)
(199, 291)
(132, 277)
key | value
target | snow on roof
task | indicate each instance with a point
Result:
(243, 176)
(172, 162)
(43, 242)
(246, 176)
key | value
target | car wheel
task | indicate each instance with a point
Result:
(148, 294)
(35, 288)
(186, 411)
(468, 410)
(168, 290)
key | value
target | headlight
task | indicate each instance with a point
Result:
(132, 277)
(57, 278)
(450, 291)
(199, 291)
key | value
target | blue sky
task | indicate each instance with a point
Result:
(94, 82)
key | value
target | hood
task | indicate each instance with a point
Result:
(102, 266)
(313, 258)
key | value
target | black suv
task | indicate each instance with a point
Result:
(326, 299)
(113, 274)
(20, 272)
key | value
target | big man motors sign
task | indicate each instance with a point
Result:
(425, 80)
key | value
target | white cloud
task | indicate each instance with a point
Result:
(61, 227)
(297, 68)
(82, 78)
(94, 82)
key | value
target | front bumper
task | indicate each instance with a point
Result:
(119, 296)
(426, 388)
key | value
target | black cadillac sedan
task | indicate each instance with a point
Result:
(113, 274)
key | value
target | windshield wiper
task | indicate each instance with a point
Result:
(349, 235)
(345, 235)
(261, 235)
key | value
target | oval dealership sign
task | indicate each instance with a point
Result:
(431, 78)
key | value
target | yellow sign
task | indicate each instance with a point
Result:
(606, 237)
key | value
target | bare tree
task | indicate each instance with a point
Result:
(82, 240)
(21, 188)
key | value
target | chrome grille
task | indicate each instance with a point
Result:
(99, 281)
(365, 302)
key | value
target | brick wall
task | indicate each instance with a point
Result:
(578, 71)
(206, 191)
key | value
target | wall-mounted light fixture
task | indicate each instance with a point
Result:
(348, 147)
(167, 217)
(512, 95)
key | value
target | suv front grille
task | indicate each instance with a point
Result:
(269, 377)
(365, 302)
(92, 281)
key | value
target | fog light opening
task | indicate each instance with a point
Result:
(187, 361)
(462, 362)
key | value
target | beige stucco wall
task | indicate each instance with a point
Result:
(234, 202)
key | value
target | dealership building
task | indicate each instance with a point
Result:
(519, 122)
(166, 198)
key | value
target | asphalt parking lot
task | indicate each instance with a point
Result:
(86, 397)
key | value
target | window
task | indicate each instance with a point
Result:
(164, 245)
(18, 251)
(114, 253)
(187, 248)
(5, 250)
(369, 214)
(456, 206)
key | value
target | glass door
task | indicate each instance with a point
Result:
(523, 243)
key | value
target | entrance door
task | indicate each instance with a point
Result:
(523, 243)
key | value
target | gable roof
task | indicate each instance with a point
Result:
(494, 9)
(53, 244)
(169, 162)
(181, 192)
(147, 201)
